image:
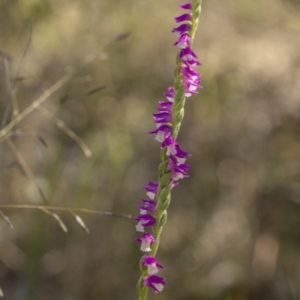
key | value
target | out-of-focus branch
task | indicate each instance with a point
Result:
(34, 105)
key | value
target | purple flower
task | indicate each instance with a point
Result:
(181, 155)
(155, 282)
(191, 86)
(183, 28)
(170, 94)
(149, 205)
(144, 221)
(190, 73)
(162, 117)
(174, 184)
(184, 41)
(187, 5)
(161, 132)
(170, 143)
(151, 189)
(190, 89)
(174, 149)
(187, 82)
(165, 106)
(188, 56)
(147, 239)
(184, 17)
(179, 171)
(152, 264)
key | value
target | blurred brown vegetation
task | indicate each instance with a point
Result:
(233, 226)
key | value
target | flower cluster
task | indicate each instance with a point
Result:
(164, 134)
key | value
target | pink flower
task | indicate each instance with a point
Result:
(146, 240)
(155, 282)
(152, 264)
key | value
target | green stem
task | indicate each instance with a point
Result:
(144, 293)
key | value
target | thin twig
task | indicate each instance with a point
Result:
(25, 167)
(34, 105)
(80, 222)
(6, 219)
(59, 208)
(56, 217)
(12, 95)
(23, 53)
(60, 124)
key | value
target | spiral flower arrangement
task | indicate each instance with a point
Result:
(168, 119)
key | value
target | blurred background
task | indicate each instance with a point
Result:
(233, 226)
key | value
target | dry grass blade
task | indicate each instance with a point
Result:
(6, 219)
(60, 124)
(23, 55)
(9, 87)
(80, 222)
(1, 293)
(56, 217)
(42, 141)
(59, 208)
(8, 166)
(123, 36)
(34, 105)
(25, 167)
(60, 222)
(96, 90)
